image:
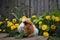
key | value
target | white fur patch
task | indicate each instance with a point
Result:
(20, 27)
(35, 33)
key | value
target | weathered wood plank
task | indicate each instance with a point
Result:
(51, 5)
(39, 7)
(32, 7)
(27, 7)
(36, 7)
(46, 5)
(42, 5)
(31, 38)
(59, 4)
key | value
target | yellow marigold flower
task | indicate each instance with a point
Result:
(40, 22)
(1, 22)
(47, 17)
(53, 17)
(13, 27)
(53, 27)
(46, 34)
(34, 16)
(44, 27)
(4, 30)
(14, 20)
(24, 17)
(9, 24)
(16, 24)
(57, 19)
(6, 19)
(0, 30)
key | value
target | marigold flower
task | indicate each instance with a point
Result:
(57, 19)
(1, 22)
(40, 22)
(16, 24)
(23, 16)
(46, 34)
(34, 16)
(14, 20)
(44, 27)
(13, 27)
(9, 24)
(53, 17)
(53, 27)
(47, 17)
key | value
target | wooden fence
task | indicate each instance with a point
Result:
(27, 7)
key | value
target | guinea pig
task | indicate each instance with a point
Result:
(28, 27)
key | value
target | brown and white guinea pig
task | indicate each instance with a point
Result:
(28, 27)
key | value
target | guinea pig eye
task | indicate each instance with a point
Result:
(25, 23)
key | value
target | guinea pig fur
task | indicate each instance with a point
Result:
(28, 27)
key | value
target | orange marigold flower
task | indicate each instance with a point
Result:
(53, 27)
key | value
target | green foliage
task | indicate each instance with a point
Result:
(17, 12)
(48, 22)
(47, 19)
(53, 38)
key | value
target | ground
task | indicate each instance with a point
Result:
(3, 37)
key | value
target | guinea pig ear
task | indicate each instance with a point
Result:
(24, 19)
(29, 22)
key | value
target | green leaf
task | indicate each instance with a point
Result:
(40, 26)
(40, 18)
(45, 13)
(48, 29)
(35, 21)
